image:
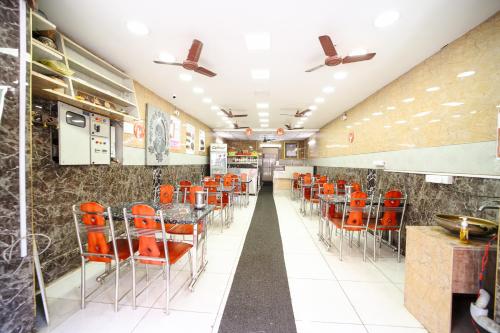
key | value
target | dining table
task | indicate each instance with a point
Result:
(180, 214)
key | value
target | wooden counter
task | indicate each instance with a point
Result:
(437, 266)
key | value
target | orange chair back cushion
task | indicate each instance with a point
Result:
(147, 244)
(392, 199)
(356, 217)
(166, 194)
(228, 180)
(356, 187)
(307, 190)
(96, 241)
(341, 184)
(328, 188)
(211, 186)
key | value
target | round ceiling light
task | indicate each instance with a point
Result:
(137, 28)
(385, 19)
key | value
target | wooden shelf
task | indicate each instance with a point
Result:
(87, 106)
(77, 66)
(40, 82)
(79, 84)
(77, 48)
(43, 52)
(41, 68)
(39, 22)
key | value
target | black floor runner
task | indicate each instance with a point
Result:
(259, 300)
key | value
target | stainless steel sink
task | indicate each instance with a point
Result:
(477, 227)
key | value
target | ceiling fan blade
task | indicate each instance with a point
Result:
(167, 63)
(287, 114)
(195, 51)
(314, 68)
(327, 45)
(228, 113)
(239, 115)
(363, 57)
(302, 113)
(297, 128)
(288, 127)
(241, 127)
(204, 71)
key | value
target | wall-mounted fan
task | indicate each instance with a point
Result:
(333, 59)
(191, 63)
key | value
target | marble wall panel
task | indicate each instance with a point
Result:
(16, 274)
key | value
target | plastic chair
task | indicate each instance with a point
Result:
(216, 197)
(184, 186)
(393, 207)
(167, 194)
(145, 224)
(102, 243)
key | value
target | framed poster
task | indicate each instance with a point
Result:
(157, 136)
(291, 150)
(201, 140)
(190, 139)
(175, 133)
(134, 134)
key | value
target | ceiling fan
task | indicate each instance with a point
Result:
(236, 126)
(333, 59)
(267, 139)
(291, 128)
(298, 114)
(191, 63)
(230, 114)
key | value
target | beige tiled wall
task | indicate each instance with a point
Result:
(386, 122)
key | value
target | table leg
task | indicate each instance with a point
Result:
(198, 269)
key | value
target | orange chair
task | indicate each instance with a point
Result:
(244, 187)
(323, 179)
(146, 223)
(167, 194)
(102, 244)
(236, 183)
(306, 191)
(393, 205)
(218, 199)
(186, 229)
(295, 184)
(355, 217)
(356, 187)
(184, 186)
(341, 186)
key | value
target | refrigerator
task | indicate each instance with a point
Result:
(218, 159)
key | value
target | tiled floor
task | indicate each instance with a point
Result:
(328, 295)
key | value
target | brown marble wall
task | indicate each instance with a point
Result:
(57, 187)
(16, 274)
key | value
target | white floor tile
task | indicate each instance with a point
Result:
(321, 300)
(98, 317)
(392, 269)
(176, 321)
(59, 311)
(221, 262)
(379, 303)
(355, 269)
(392, 329)
(307, 266)
(317, 327)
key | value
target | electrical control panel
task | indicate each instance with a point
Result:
(100, 152)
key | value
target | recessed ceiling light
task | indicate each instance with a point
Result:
(307, 114)
(416, 128)
(385, 19)
(319, 100)
(340, 75)
(185, 77)
(377, 113)
(456, 116)
(258, 41)
(263, 114)
(400, 122)
(431, 89)
(198, 90)
(387, 126)
(466, 74)
(220, 113)
(434, 121)
(358, 52)
(473, 112)
(408, 100)
(262, 105)
(421, 114)
(452, 104)
(357, 123)
(328, 89)
(137, 28)
(214, 108)
(366, 119)
(312, 107)
(260, 74)
(264, 125)
(166, 57)
(348, 126)
(391, 108)
(206, 100)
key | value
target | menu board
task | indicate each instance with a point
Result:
(190, 139)
(201, 139)
(175, 133)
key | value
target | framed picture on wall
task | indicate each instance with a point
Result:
(157, 136)
(201, 140)
(190, 139)
(291, 149)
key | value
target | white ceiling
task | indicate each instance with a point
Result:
(294, 26)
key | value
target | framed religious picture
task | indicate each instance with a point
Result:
(157, 136)
(291, 149)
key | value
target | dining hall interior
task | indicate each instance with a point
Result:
(264, 166)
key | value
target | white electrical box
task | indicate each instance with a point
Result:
(113, 142)
(74, 135)
(100, 147)
(84, 138)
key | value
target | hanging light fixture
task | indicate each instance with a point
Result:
(248, 131)
(280, 131)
